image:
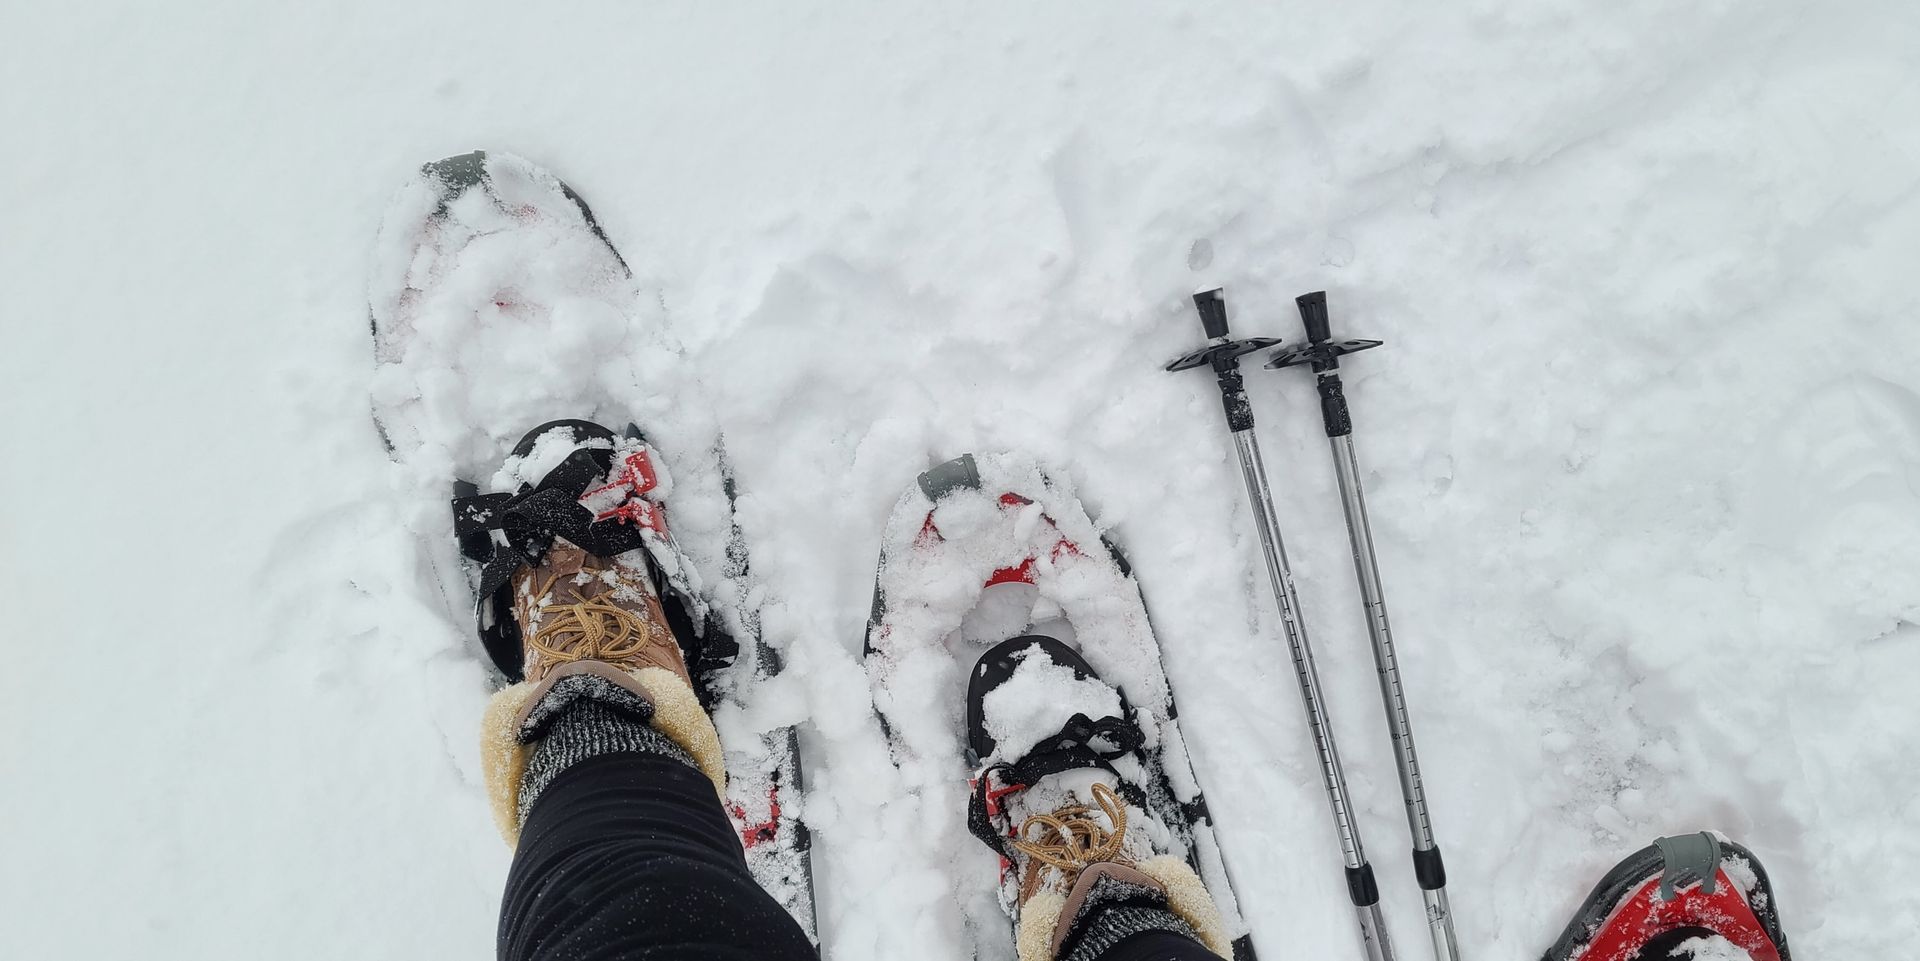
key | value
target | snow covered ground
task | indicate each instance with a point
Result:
(1643, 450)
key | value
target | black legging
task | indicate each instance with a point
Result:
(629, 855)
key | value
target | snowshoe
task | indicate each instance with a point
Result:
(496, 298)
(1694, 896)
(1011, 658)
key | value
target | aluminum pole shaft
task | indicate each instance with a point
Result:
(1322, 352)
(1373, 934)
(1393, 697)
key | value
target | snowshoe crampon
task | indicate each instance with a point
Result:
(993, 579)
(1679, 897)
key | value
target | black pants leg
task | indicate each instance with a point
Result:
(629, 855)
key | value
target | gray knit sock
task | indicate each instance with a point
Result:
(1116, 910)
(586, 716)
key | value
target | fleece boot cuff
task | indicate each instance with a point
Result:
(1111, 902)
(519, 716)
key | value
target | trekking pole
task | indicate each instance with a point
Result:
(1323, 353)
(1223, 355)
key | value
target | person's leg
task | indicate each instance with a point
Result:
(624, 850)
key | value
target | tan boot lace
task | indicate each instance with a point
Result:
(1070, 840)
(590, 629)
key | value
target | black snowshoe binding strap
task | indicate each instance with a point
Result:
(998, 665)
(1081, 743)
(504, 532)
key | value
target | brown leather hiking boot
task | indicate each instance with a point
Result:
(577, 607)
(582, 614)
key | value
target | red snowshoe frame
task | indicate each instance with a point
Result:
(1670, 891)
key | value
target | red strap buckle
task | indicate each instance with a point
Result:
(994, 807)
(753, 834)
(636, 477)
(646, 514)
(636, 471)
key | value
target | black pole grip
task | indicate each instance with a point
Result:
(1234, 397)
(1333, 406)
(1313, 311)
(1213, 311)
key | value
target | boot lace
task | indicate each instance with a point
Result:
(1070, 839)
(589, 629)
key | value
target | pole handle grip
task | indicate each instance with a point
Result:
(1212, 305)
(1313, 312)
(1334, 415)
